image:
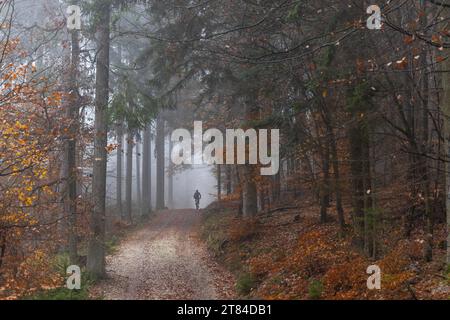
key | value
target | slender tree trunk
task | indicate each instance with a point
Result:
(71, 149)
(413, 164)
(229, 182)
(357, 183)
(446, 114)
(428, 250)
(129, 179)
(160, 164)
(337, 183)
(96, 246)
(119, 174)
(138, 175)
(241, 188)
(151, 156)
(249, 192)
(219, 182)
(276, 187)
(170, 177)
(369, 213)
(325, 188)
(146, 172)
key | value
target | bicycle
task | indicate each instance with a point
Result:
(197, 203)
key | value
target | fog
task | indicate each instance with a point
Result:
(36, 26)
(185, 182)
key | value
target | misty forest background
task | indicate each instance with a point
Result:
(86, 117)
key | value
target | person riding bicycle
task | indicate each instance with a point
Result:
(197, 197)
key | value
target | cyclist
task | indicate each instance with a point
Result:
(197, 197)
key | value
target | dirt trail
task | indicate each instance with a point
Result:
(164, 260)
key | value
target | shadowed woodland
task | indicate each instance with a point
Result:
(86, 117)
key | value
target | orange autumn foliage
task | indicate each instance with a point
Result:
(27, 193)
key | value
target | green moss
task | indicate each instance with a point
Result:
(245, 283)
(315, 289)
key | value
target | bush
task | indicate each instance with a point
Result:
(245, 283)
(60, 264)
(315, 289)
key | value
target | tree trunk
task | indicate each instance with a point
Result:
(325, 188)
(160, 164)
(276, 187)
(446, 135)
(337, 183)
(138, 175)
(170, 176)
(363, 211)
(146, 172)
(249, 192)
(249, 189)
(369, 213)
(119, 170)
(357, 183)
(71, 150)
(428, 248)
(239, 183)
(229, 179)
(219, 182)
(129, 179)
(96, 247)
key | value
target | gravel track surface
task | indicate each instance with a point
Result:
(164, 260)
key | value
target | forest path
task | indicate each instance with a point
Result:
(165, 260)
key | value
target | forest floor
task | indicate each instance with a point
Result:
(164, 260)
(288, 254)
(214, 254)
